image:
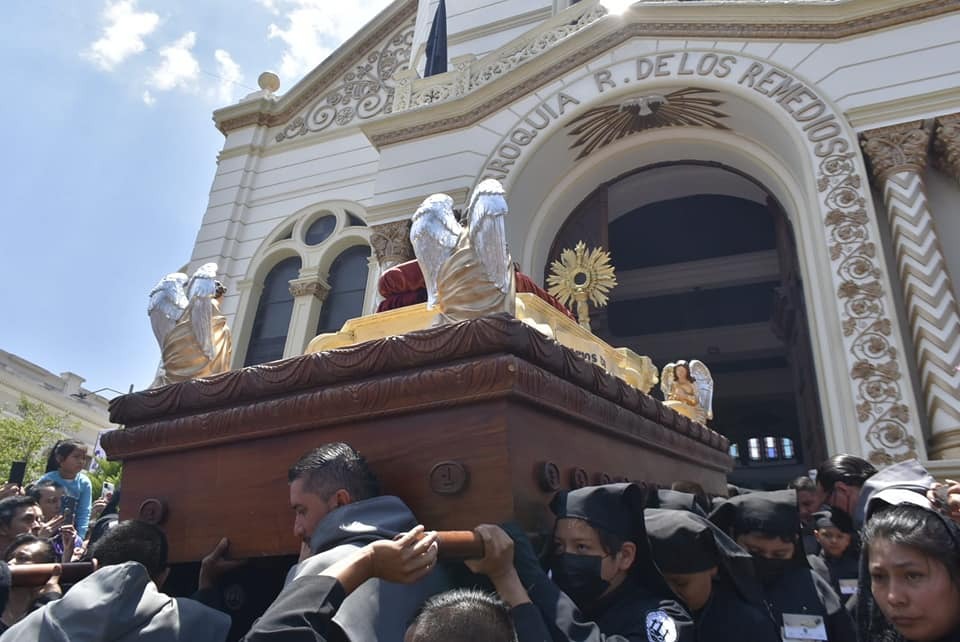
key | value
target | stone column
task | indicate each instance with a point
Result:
(308, 293)
(946, 144)
(897, 156)
(391, 243)
(391, 246)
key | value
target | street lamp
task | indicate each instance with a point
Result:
(83, 395)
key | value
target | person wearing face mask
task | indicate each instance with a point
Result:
(803, 604)
(712, 576)
(605, 586)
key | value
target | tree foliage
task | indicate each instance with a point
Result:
(105, 471)
(29, 435)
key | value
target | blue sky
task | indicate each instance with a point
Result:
(110, 152)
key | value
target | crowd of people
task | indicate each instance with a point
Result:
(851, 554)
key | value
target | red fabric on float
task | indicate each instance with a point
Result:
(403, 285)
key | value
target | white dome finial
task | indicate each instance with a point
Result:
(269, 81)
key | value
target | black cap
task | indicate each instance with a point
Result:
(833, 518)
(773, 513)
(614, 508)
(681, 541)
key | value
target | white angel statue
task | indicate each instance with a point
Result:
(193, 336)
(468, 271)
(688, 389)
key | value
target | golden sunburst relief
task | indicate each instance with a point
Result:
(581, 276)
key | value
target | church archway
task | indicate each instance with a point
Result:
(708, 269)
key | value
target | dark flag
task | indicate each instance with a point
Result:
(437, 43)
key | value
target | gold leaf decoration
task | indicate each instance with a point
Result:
(581, 276)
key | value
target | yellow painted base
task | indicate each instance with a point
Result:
(634, 369)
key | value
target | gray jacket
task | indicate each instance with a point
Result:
(377, 611)
(120, 604)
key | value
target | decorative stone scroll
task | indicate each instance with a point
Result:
(391, 243)
(946, 144)
(471, 73)
(364, 92)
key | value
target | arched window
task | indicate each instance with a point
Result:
(788, 452)
(770, 448)
(272, 321)
(753, 448)
(735, 451)
(348, 283)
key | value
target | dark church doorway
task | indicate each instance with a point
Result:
(707, 269)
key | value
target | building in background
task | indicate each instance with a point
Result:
(62, 395)
(776, 182)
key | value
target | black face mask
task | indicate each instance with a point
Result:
(770, 570)
(579, 577)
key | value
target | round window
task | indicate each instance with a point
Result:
(320, 230)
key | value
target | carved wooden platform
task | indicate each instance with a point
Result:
(475, 422)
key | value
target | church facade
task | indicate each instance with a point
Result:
(777, 184)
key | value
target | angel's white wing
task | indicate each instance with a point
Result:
(667, 379)
(167, 303)
(434, 233)
(704, 383)
(488, 234)
(201, 289)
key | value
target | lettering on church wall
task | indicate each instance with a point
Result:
(817, 121)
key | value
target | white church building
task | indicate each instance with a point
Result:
(777, 183)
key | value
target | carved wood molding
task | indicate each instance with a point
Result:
(946, 144)
(483, 358)
(898, 148)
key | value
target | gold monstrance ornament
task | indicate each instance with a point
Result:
(580, 276)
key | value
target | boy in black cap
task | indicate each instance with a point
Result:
(712, 576)
(839, 558)
(605, 585)
(804, 605)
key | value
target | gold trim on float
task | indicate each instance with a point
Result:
(635, 370)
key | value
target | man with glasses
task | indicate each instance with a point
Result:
(840, 480)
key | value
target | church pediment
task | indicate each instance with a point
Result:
(478, 87)
(356, 83)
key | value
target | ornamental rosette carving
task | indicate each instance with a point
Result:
(865, 320)
(898, 148)
(391, 243)
(363, 93)
(946, 144)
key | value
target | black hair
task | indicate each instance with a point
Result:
(333, 466)
(609, 542)
(22, 539)
(10, 506)
(33, 490)
(802, 484)
(132, 540)
(917, 528)
(848, 469)
(62, 448)
(464, 615)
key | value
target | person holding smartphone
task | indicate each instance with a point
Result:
(65, 465)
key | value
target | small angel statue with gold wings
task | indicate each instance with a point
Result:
(688, 389)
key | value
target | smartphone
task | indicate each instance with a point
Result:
(68, 508)
(107, 490)
(17, 471)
